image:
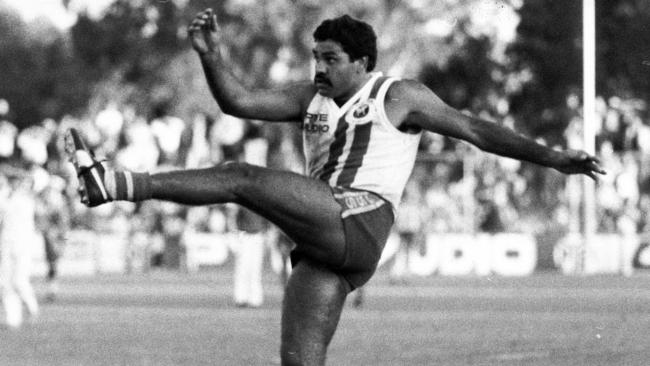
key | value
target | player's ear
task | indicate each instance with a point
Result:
(362, 62)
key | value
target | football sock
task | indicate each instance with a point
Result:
(128, 186)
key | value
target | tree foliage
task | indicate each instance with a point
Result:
(137, 53)
(39, 76)
(624, 48)
(549, 46)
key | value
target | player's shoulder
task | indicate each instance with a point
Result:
(406, 88)
(408, 92)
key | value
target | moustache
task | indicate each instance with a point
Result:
(322, 79)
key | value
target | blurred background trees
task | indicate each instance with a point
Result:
(549, 49)
(137, 52)
(39, 75)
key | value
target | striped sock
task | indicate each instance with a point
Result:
(128, 186)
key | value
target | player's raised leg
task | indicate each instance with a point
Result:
(304, 208)
(313, 301)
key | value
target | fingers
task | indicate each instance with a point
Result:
(213, 22)
(203, 21)
(594, 165)
(593, 159)
(591, 163)
(596, 168)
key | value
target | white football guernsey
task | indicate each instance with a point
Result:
(356, 146)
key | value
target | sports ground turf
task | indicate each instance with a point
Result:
(170, 318)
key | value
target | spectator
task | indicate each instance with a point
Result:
(17, 238)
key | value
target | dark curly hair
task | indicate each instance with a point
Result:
(357, 38)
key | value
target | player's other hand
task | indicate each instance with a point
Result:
(204, 32)
(580, 162)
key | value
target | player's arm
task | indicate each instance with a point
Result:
(234, 98)
(425, 110)
(281, 104)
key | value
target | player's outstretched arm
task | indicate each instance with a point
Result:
(285, 104)
(425, 110)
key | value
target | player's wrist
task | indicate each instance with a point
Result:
(556, 159)
(210, 54)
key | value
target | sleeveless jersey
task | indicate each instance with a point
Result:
(356, 146)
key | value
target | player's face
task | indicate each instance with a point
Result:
(335, 75)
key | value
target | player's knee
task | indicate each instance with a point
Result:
(314, 298)
(330, 285)
(332, 288)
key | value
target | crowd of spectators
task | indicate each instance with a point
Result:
(126, 140)
(460, 189)
(465, 190)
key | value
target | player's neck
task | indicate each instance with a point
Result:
(356, 86)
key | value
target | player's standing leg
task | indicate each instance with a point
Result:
(313, 301)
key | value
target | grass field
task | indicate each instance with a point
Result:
(168, 318)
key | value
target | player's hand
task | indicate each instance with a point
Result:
(204, 32)
(580, 162)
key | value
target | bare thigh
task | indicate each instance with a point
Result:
(304, 208)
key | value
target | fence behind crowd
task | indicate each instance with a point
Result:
(503, 254)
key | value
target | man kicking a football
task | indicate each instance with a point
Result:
(360, 130)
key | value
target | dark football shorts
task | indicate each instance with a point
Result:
(367, 221)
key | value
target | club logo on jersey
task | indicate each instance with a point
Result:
(361, 110)
(361, 113)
